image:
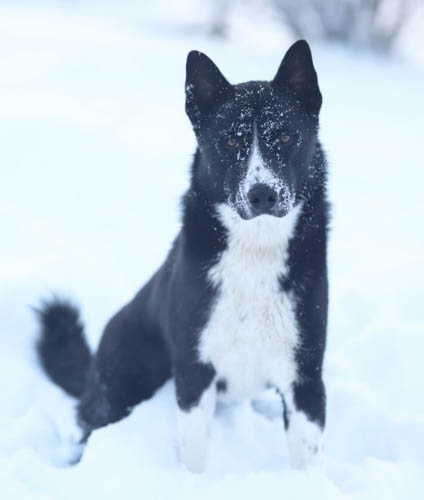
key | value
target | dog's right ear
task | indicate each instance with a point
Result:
(205, 85)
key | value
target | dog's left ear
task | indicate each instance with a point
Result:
(205, 85)
(297, 72)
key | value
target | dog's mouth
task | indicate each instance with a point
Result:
(277, 213)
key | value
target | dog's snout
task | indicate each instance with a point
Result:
(262, 198)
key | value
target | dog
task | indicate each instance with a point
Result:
(240, 303)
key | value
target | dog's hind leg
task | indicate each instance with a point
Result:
(132, 362)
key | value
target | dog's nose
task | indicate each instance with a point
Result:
(262, 198)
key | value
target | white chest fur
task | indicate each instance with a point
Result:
(251, 334)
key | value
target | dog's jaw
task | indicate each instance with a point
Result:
(262, 231)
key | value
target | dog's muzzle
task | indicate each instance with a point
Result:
(263, 199)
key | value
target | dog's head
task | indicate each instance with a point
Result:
(256, 140)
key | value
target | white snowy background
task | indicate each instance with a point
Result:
(94, 155)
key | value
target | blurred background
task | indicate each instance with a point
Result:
(95, 150)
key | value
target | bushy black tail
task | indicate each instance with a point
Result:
(62, 348)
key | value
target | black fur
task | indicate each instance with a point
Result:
(156, 334)
(62, 347)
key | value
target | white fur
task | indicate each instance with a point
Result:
(252, 333)
(305, 438)
(193, 431)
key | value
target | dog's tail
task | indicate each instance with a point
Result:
(62, 347)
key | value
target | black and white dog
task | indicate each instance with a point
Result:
(240, 304)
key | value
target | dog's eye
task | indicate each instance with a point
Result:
(232, 142)
(285, 138)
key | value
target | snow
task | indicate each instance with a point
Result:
(94, 156)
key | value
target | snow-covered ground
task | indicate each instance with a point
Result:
(94, 154)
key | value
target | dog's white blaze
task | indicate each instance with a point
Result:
(193, 431)
(252, 333)
(305, 438)
(257, 172)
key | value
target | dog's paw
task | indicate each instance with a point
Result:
(192, 439)
(268, 405)
(68, 452)
(63, 448)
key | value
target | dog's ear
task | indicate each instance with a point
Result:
(297, 72)
(205, 85)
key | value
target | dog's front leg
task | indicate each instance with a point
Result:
(196, 397)
(304, 416)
